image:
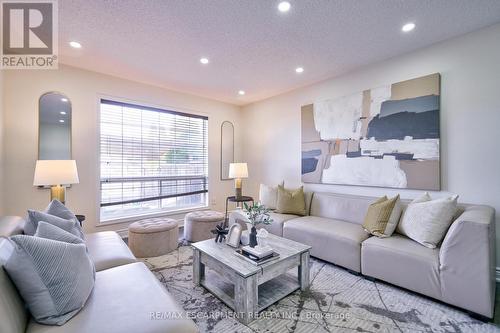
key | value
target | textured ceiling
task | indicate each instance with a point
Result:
(250, 44)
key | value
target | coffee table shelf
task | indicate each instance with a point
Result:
(268, 293)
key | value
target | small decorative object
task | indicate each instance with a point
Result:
(256, 214)
(237, 171)
(234, 235)
(262, 237)
(245, 237)
(220, 232)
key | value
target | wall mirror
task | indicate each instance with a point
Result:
(227, 148)
(54, 127)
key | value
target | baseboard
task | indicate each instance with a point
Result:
(497, 274)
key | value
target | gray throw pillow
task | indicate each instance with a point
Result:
(56, 208)
(54, 278)
(34, 217)
(49, 231)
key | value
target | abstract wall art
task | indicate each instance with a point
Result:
(386, 136)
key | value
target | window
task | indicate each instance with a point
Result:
(152, 160)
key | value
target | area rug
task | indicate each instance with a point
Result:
(337, 301)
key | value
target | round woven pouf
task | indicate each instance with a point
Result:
(153, 237)
(197, 225)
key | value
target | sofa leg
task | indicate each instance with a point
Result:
(353, 272)
(479, 317)
(370, 278)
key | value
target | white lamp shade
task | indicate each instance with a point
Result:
(55, 172)
(238, 170)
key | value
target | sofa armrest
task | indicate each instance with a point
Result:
(467, 261)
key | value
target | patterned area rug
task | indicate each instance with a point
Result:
(338, 301)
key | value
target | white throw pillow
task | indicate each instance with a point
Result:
(422, 198)
(268, 195)
(427, 221)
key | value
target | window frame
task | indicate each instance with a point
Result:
(154, 107)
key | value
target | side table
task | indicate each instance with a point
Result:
(238, 201)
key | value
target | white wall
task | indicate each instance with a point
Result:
(21, 92)
(470, 119)
(2, 159)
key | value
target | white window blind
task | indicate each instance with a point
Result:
(152, 160)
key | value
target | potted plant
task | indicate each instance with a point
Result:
(257, 214)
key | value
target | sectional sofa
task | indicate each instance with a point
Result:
(126, 297)
(459, 272)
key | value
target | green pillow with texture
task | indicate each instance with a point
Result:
(291, 201)
(382, 216)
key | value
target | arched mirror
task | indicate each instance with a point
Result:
(54, 127)
(227, 148)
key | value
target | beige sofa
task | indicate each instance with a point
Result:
(460, 272)
(126, 297)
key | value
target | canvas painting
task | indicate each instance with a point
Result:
(386, 136)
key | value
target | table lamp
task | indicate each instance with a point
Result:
(238, 171)
(57, 174)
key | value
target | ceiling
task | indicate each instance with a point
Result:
(250, 44)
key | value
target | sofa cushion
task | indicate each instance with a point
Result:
(11, 225)
(107, 249)
(125, 299)
(276, 227)
(343, 207)
(382, 216)
(427, 222)
(72, 226)
(56, 208)
(13, 314)
(291, 201)
(54, 278)
(332, 240)
(49, 231)
(403, 262)
(268, 195)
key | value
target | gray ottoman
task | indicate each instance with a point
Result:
(197, 225)
(153, 237)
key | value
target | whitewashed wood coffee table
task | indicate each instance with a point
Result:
(247, 288)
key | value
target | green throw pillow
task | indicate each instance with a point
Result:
(291, 201)
(383, 216)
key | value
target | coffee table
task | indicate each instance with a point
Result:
(244, 287)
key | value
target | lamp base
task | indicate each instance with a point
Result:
(58, 192)
(238, 186)
(238, 193)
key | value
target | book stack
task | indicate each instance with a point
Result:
(257, 255)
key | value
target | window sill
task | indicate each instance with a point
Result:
(134, 218)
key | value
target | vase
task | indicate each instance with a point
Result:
(253, 237)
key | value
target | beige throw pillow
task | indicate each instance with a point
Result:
(422, 198)
(382, 216)
(268, 195)
(428, 221)
(291, 201)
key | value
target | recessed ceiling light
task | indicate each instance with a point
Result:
(284, 6)
(64, 99)
(63, 112)
(204, 61)
(241, 92)
(408, 27)
(299, 70)
(75, 45)
(61, 120)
